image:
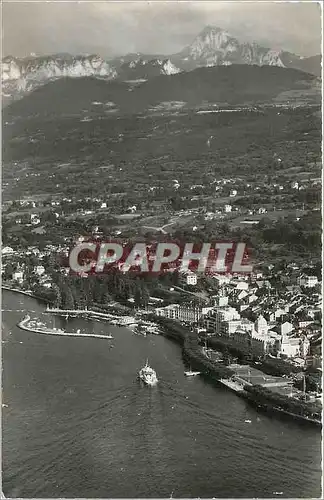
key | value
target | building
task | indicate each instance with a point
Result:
(34, 219)
(191, 279)
(220, 301)
(304, 347)
(180, 313)
(286, 328)
(261, 326)
(7, 251)
(39, 270)
(307, 281)
(289, 346)
(223, 320)
(221, 279)
(18, 276)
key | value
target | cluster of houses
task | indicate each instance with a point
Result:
(282, 326)
(20, 270)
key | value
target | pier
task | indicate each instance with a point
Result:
(120, 320)
(26, 324)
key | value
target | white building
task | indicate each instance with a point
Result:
(34, 219)
(228, 208)
(39, 270)
(286, 328)
(289, 346)
(191, 279)
(221, 301)
(242, 285)
(261, 326)
(180, 313)
(223, 320)
(221, 279)
(18, 276)
(304, 347)
(307, 281)
(7, 251)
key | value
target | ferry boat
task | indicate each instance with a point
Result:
(148, 375)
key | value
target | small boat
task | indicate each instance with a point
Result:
(140, 329)
(190, 373)
(148, 375)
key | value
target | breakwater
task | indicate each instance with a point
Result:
(27, 325)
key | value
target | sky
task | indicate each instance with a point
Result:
(115, 28)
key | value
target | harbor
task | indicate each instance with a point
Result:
(136, 322)
(36, 326)
(88, 393)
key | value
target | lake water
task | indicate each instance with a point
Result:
(79, 423)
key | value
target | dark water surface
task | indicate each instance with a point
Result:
(79, 424)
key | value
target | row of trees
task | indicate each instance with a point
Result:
(75, 292)
(192, 351)
(266, 397)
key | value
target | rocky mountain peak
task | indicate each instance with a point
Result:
(214, 46)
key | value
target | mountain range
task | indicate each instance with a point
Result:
(212, 47)
(203, 89)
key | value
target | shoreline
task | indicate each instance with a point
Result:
(191, 352)
(23, 292)
(213, 373)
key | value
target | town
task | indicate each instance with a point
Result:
(269, 319)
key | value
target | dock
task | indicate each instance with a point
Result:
(28, 325)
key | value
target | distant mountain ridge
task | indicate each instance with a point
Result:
(203, 88)
(213, 46)
(20, 76)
